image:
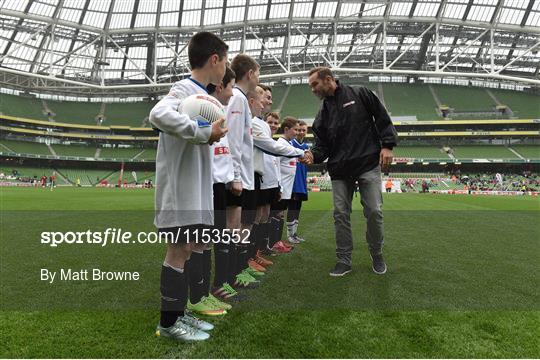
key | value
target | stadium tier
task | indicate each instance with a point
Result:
(74, 150)
(128, 177)
(87, 177)
(463, 98)
(22, 106)
(420, 152)
(75, 112)
(23, 147)
(300, 103)
(119, 153)
(528, 151)
(132, 114)
(483, 152)
(410, 100)
(523, 105)
(148, 154)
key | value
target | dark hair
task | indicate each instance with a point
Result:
(241, 65)
(275, 115)
(202, 46)
(229, 76)
(322, 72)
(265, 87)
(302, 123)
(288, 122)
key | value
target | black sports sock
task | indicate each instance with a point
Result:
(233, 258)
(207, 270)
(174, 293)
(263, 236)
(221, 262)
(241, 259)
(253, 240)
(194, 269)
(273, 231)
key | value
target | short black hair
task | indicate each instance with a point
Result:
(229, 76)
(202, 46)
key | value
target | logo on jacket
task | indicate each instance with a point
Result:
(221, 150)
(348, 104)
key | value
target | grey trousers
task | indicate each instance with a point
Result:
(371, 198)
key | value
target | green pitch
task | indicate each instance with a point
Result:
(463, 281)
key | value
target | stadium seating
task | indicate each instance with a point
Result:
(300, 103)
(128, 176)
(131, 114)
(24, 147)
(463, 98)
(22, 106)
(483, 152)
(119, 153)
(420, 152)
(528, 151)
(87, 177)
(75, 112)
(148, 154)
(410, 99)
(74, 150)
(523, 105)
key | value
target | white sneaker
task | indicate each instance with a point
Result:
(293, 240)
(181, 332)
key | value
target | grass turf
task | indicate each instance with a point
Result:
(463, 282)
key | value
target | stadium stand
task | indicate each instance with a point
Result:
(420, 152)
(131, 114)
(483, 152)
(463, 98)
(410, 99)
(75, 112)
(128, 176)
(23, 147)
(528, 151)
(523, 105)
(119, 153)
(300, 103)
(87, 177)
(74, 150)
(148, 154)
(22, 106)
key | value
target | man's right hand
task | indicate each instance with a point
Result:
(217, 131)
(236, 188)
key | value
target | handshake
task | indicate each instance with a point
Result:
(307, 158)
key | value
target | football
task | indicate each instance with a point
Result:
(204, 109)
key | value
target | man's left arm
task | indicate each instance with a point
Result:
(385, 129)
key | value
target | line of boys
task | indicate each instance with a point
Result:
(209, 176)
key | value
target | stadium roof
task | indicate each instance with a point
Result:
(139, 46)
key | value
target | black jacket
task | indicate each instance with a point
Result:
(350, 129)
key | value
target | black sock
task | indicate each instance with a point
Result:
(273, 229)
(233, 258)
(174, 293)
(263, 237)
(221, 262)
(280, 229)
(253, 240)
(194, 269)
(207, 270)
(241, 259)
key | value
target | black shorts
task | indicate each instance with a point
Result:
(280, 205)
(299, 196)
(181, 235)
(268, 196)
(220, 206)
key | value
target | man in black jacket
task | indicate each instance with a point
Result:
(354, 132)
